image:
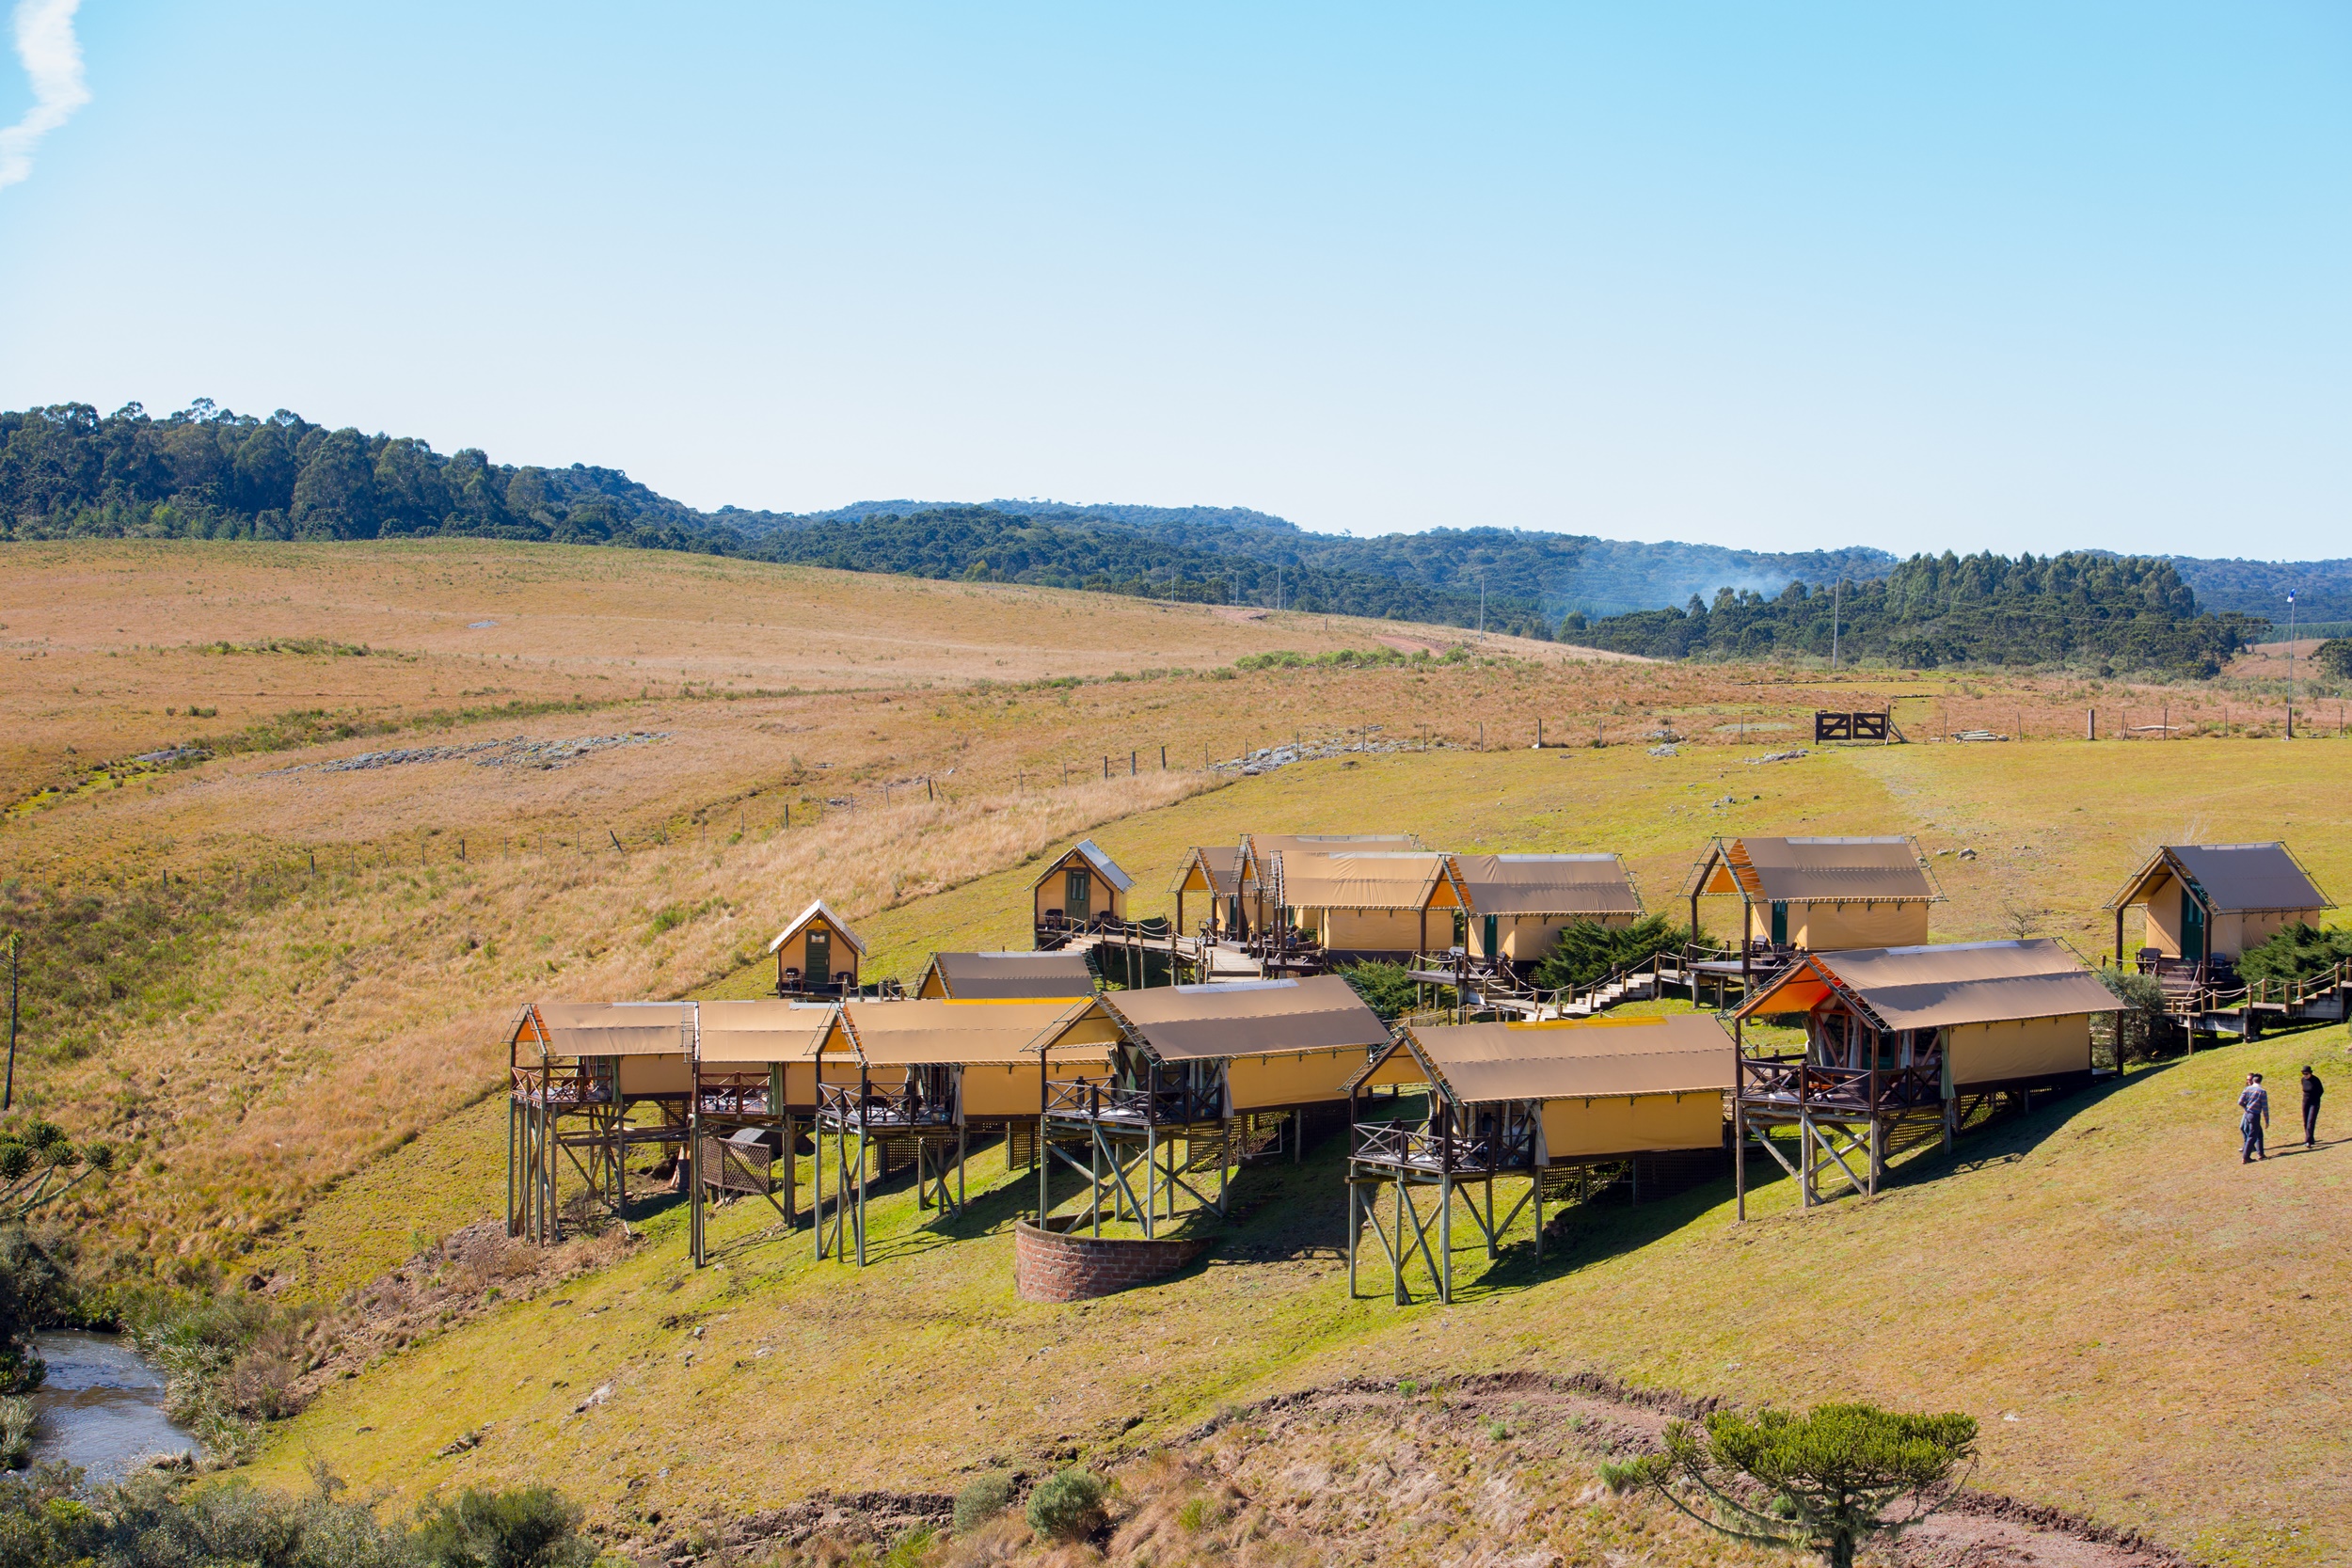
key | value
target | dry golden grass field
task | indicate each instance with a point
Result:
(296, 1038)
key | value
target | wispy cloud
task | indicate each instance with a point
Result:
(53, 62)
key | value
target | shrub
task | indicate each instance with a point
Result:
(982, 1498)
(2297, 953)
(1067, 1506)
(19, 1416)
(1587, 950)
(2141, 1020)
(2334, 657)
(1832, 1474)
(525, 1526)
(1386, 989)
(1196, 1515)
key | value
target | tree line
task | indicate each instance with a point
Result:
(2115, 613)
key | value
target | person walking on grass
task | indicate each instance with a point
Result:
(2253, 1103)
(2312, 1089)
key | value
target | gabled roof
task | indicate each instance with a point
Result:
(1477, 1063)
(1106, 866)
(1571, 885)
(760, 1031)
(905, 1034)
(606, 1029)
(1244, 1018)
(1815, 871)
(1003, 977)
(816, 907)
(1219, 867)
(2233, 878)
(1374, 880)
(1262, 853)
(1930, 988)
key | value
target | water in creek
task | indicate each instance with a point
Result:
(102, 1408)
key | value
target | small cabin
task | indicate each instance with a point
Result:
(1515, 905)
(1820, 895)
(1262, 902)
(958, 1063)
(1005, 976)
(1933, 1020)
(1080, 890)
(1582, 1091)
(1371, 904)
(759, 1057)
(2212, 902)
(1188, 1055)
(612, 1051)
(1207, 888)
(818, 955)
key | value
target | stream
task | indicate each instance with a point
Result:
(102, 1408)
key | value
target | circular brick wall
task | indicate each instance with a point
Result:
(1050, 1266)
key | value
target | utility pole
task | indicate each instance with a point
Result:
(8, 1093)
(1836, 603)
(2290, 664)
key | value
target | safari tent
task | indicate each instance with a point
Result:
(818, 955)
(754, 1074)
(914, 1077)
(1917, 1036)
(1209, 1067)
(577, 1074)
(1080, 889)
(1381, 904)
(1819, 895)
(1517, 905)
(1261, 871)
(1209, 880)
(1005, 976)
(2210, 902)
(1523, 1100)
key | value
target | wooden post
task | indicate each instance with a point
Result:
(2090, 723)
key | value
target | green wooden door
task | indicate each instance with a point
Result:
(1076, 885)
(817, 971)
(1780, 924)
(1488, 936)
(2192, 927)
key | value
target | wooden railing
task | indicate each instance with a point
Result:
(733, 1094)
(1793, 1081)
(1173, 1105)
(559, 1088)
(1510, 1147)
(875, 1109)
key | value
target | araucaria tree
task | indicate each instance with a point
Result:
(1827, 1481)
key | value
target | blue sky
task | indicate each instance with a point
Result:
(2019, 277)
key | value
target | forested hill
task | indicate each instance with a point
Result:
(66, 471)
(2084, 608)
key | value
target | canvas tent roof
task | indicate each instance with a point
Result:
(1245, 1017)
(608, 1028)
(943, 1029)
(1814, 870)
(1547, 884)
(1930, 988)
(2235, 879)
(1379, 879)
(1103, 864)
(1220, 867)
(1484, 1062)
(817, 907)
(985, 976)
(760, 1031)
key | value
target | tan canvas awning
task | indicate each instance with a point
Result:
(1588, 886)
(2233, 878)
(608, 1028)
(1090, 852)
(1415, 880)
(1932, 987)
(1815, 871)
(1260, 851)
(1247, 1018)
(903, 1034)
(760, 1031)
(1684, 1053)
(1004, 976)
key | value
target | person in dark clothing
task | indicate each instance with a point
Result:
(2253, 1103)
(2312, 1089)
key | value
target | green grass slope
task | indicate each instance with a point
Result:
(2165, 1326)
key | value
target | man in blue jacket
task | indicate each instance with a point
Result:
(2253, 1103)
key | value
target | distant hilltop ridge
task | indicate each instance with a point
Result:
(207, 472)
